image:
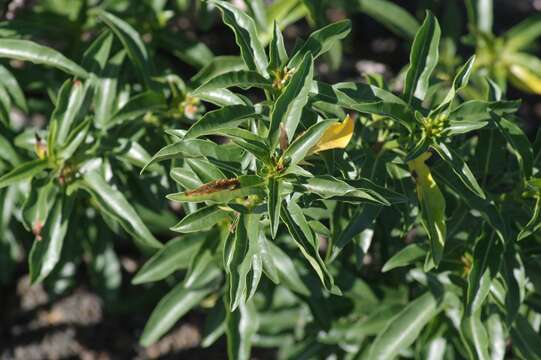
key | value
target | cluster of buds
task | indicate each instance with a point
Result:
(281, 77)
(433, 127)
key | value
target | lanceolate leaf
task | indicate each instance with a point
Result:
(224, 118)
(246, 35)
(196, 148)
(321, 41)
(201, 220)
(405, 257)
(460, 168)
(175, 255)
(288, 107)
(72, 106)
(391, 15)
(459, 82)
(432, 204)
(12, 85)
(535, 221)
(525, 339)
(404, 328)
(487, 257)
(22, 172)
(242, 259)
(277, 51)
(114, 204)
(106, 90)
(45, 253)
(475, 334)
(302, 145)
(518, 142)
(274, 203)
(30, 51)
(133, 44)
(137, 106)
(223, 191)
(243, 78)
(306, 241)
(423, 59)
(172, 307)
(241, 326)
(523, 34)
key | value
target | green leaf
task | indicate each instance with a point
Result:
(196, 148)
(402, 330)
(460, 81)
(76, 137)
(487, 257)
(12, 86)
(5, 107)
(132, 42)
(46, 250)
(242, 260)
(26, 50)
(113, 203)
(361, 221)
(220, 97)
(72, 106)
(133, 153)
(8, 152)
(302, 145)
(301, 232)
(398, 20)
(432, 204)
(246, 36)
(535, 221)
(518, 141)
(137, 106)
(201, 220)
(445, 175)
(480, 14)
(288, 107)
(106, 90)
(329, 187)
(321, 41)
(223, 191)
(460, 168)
(475, 114)
(226, 117)
(523, 34)
(405, 257)
(175, 255)
(277, 51)
(23, 172)
(525, 339)
(194, 53)
(250, 142)
(369, 99)
(217, 66)
(172, 307)
(476, 336)
(241, 326)
(96, 55)
(423, 59)
(274, 204)
(244, 79)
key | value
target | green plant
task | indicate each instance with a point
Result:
(321, 220)
(506, 57)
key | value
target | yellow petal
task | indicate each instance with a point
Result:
(525, 79)
(337, 136)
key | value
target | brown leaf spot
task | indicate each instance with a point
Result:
(214, 186)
